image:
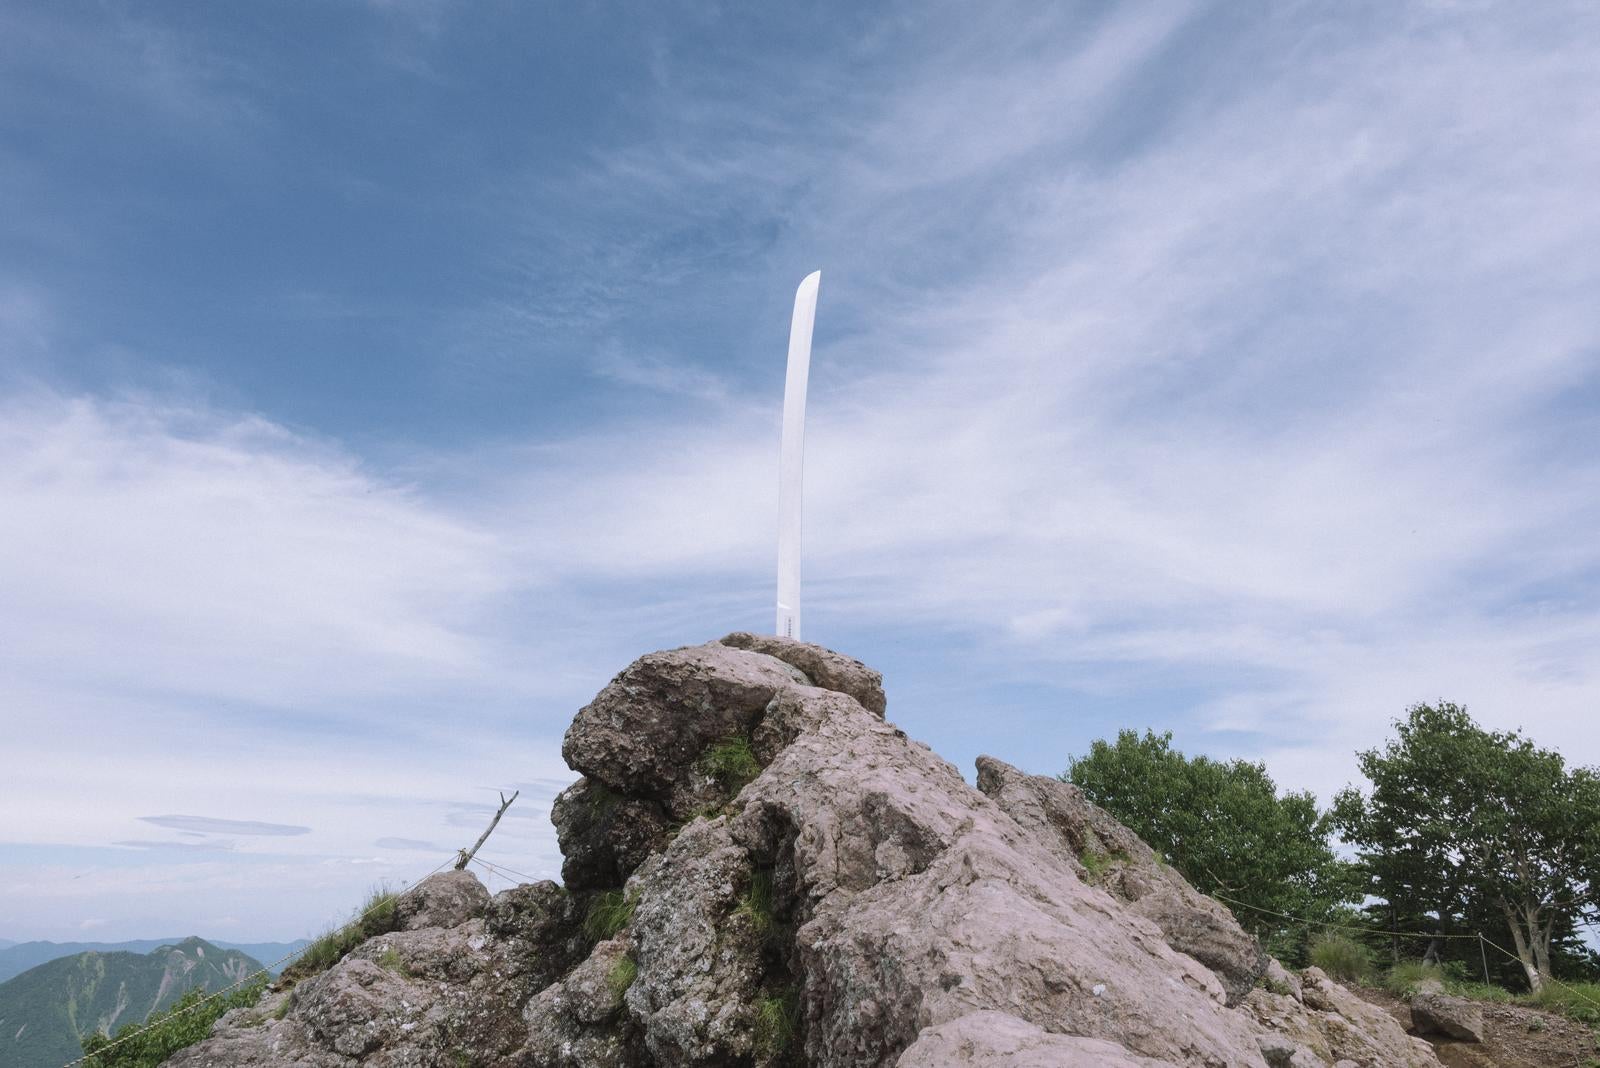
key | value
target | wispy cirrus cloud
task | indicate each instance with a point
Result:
(1174, 367)
(213, 825)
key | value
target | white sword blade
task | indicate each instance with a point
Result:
(791, 461)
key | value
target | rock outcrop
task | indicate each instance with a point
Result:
(762, 871)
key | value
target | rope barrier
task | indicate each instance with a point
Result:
(1338, 926)
(265, 971)
(1551, 978)
(1482, 940)
(503, 871)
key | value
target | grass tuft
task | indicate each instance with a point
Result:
(621, 976)
(777, 1021)
(1097, 863)
(1341, 957)
(608, 914)
(390, 961)
(602, 799)
(732, 763)
(1580, 1001)
(757, 905)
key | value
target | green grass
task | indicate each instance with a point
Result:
(732, 763)
(375, 918)
(608, 914)
(1274, 986)
(602, 799)
(777, 1021)
(1406, 978)
(1580, 1001)
(168, 1031)
(389, 960)
(621, 976)
(1097, 863)
(1341, 957)
(757, 905)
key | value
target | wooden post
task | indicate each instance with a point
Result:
(466, 855)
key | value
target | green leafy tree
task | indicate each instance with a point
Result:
(1225, 827)
(1461, 824)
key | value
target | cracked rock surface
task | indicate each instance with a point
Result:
(775, 875)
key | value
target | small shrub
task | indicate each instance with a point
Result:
(732, 763)
(177, 1027)
(621, 976)
(1341, 957)
(1406, 978)
(608, 914)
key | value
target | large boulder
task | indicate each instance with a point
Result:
(649, 733)
(447, 899)
(776, 876)
(1434, 1013)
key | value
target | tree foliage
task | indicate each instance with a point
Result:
(1225, 827)
(1464, 827)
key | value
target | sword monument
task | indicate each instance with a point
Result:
(791, 459)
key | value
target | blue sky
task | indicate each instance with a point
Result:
(377, 379)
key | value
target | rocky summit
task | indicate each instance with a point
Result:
(761, 870)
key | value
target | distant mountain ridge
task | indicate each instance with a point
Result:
(47, 1010)
(18, 957)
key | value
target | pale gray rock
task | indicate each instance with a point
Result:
(1062, 819)
(1280, 1052)
(1281, 980)
(446, 899)
(822, 667)
(1335, 1025)
(924, 902)
(647, 734)
(1440, 1014)
(990, 1039)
